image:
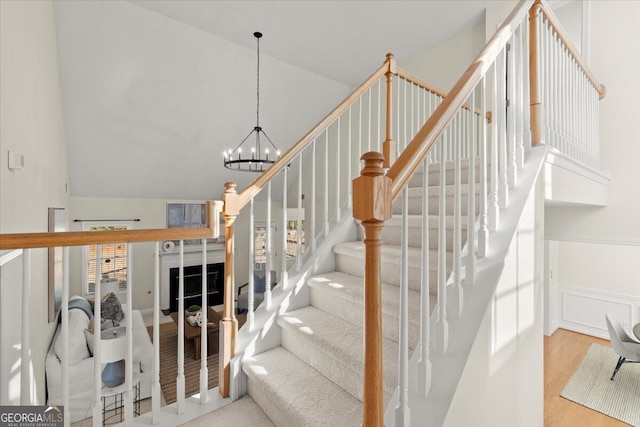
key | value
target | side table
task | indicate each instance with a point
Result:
(113, 401)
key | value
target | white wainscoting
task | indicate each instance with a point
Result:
(583, 310)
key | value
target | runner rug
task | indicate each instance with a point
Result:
(169, 364)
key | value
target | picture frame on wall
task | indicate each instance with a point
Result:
(187, 215)
(56, 222)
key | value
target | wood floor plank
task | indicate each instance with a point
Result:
(563, 352)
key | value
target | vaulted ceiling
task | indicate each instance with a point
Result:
(154, 91)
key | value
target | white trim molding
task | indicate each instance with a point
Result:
(583, 310)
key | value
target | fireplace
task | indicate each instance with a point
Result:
(193, 285)
(193, 257)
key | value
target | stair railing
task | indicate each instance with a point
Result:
(314, 177)
(512, 72)
(20, 247)
(564, 94)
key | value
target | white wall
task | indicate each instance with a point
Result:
(152, 103)
(32, 125)
(503, 380)
(443, 64)
(598, 245)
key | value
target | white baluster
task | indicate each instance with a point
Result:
(470, 260)
(442, 327)
(338, 175)
(252, 258)
(349, 161)
(267, 275)
(64, 327)
(378, 137)
(299, 221)
(520, 106)
(369, 119)
(284, 274)
(359, 127)
(501, 124)
(424, 363)
(25, 359)
(312, 220)
(512, 102)
(325, 210)
(494, 207)
(403, 415)
(97, 343)
(129, 395)
(204, 342)
(483, 232)
(525, 83)
(180, 380)
(457, 293)
(155, 385)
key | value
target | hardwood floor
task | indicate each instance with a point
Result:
(563, 352)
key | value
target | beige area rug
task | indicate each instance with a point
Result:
(169, 364)
(591, 386)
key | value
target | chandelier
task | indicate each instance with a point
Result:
(254, 157)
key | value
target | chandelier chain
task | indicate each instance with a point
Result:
(258, 85)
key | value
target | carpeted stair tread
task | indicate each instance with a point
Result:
(244, 412)
(292, 393)
(350, 260)
(335, 348)
(342, 295)
(392, 231)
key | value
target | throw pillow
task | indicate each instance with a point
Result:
(110, 309)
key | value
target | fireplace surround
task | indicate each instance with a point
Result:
(192, 258)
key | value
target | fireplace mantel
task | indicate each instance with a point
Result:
(192, 256)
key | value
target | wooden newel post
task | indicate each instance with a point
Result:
(372, 206)
(389, 145)
(229, 323)
(535, 14)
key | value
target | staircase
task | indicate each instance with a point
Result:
(319, 363)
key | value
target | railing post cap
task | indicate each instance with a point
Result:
(231, 200)
(230, 187)
(373, 162)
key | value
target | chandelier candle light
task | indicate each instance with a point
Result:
(258, 160)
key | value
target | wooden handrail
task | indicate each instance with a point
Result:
(80, 238)
(412, 157)
(261, 181)
(554, 22)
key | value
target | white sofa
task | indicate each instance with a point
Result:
(81, 363)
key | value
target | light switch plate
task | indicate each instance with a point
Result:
(16, 160)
